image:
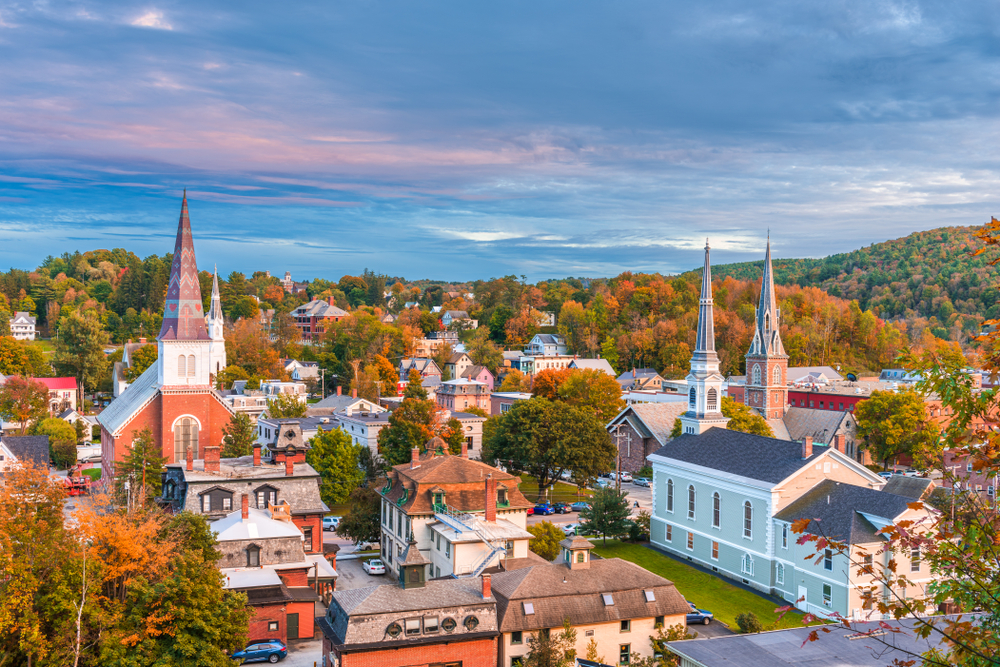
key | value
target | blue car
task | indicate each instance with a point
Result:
(268, 650)
(699, 615)
(544, 508)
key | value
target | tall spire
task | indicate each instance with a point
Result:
(215, 311)
(705, 341)
(182, 314)
(767, 339)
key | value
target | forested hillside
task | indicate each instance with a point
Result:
(929, 275)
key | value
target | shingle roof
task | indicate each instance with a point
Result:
(838, 506)
(593, 364)
(390, 598)
(765, 459)
(820, 425)
(658, 418)
(557, 592)
(143, 390)
(908, 487)
(28, 447)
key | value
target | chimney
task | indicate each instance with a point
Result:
(246, 506)
(289, 466)
(338, 390)
(838, 442)
(465, 449)
(414, 457)
(212, 459)
(142, 341)
(807, 447)
(491, 498)
(190, 459)
(487, 587)
(354, 393)
(256, 455)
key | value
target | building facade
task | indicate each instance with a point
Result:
(314, 317)
(22, 326)
(767, 363)
(457, 395)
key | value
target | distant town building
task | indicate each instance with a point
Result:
(546, 345)
(313, 318)
(457, 395)
(22, 326)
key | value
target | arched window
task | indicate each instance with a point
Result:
(253, 556)
(185, 437)
(181, 366)
(755, 374)
(777, 375)
(747, 564)
(691, 501)
(716, 510)
(780, 574)
(190, 365)
(670, 495)
(692, 398)
(747, 519)
(713, 400)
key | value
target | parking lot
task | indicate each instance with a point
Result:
(636, 494)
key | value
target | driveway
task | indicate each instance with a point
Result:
(304, 654)
(713, 629)
(351, 576)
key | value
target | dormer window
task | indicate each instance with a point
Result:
(266, 496)
(253, 556)
(502, 497)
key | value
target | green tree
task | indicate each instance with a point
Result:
(238, 436)
(546, 539)
(80, 348)
(141, 359)
(286, 406)
(894, 423)
(546, 438)
(414, 387)
(609, 350)
(337, 460)
(139, 471)
(362, 523)
(23, 400)
(483, 351)
(62, 441)
(551, 649)
(608, 513)
(742, 418)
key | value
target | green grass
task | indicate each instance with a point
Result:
(705, 590)
(47, 346)
(561, 492)
(92, 473)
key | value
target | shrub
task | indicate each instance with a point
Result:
(749, 622)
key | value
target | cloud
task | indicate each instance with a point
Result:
(152, 19)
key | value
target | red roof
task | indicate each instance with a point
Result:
(58, 384)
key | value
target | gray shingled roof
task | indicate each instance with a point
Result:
(820, 425)
(389, 598)
(656, 418)
(908, 487)
(28, 448)
(123, 408)
(837, 506)
(765, 459)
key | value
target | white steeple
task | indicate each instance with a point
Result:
(216, 329)
(704, 380)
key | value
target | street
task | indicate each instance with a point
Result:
(641, 494)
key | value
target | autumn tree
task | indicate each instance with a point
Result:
(336, 458)
(483, 351)
(894, 423)
(23, 400)
(19, 358)
(286, 406)
(141, 359)
(545, 539)
(384, 374)
(413, 424)
(80, 349)
(249, 347)
(238, 436)
(62, 441)
(551, 648)
(138, 475)
(515, 381)
(593, 391)
(742, 418)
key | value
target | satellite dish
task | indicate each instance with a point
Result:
(852, 377)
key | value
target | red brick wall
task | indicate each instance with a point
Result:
(261, 616)
(477, 653)
(294, 577)
(316, 521)
(307, 620)
(800, 399)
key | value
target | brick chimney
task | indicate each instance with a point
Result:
(487, 587)
(838, 442)
(212, 459)
(491, 498)
(807, 447)
(142, 341)
(354, 393)
(338, 390)
(190, 459)
(256, 455)
(246, 506)
(414, 457)
(465, 449)
(289, 466)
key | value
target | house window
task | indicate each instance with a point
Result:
(272, 626)
(713, 400)
(828, 560)
(780, 574)
(227, 503)
(690, 544)
(447, 549)
(266, 496)
(412, 626)
(206, 503)
(190, 365)
(181, 366)
(715, 551)
(185, 437)
(691, 497)
(747, 564)
(670, 533)
(580, 556)
(517, 638)
(777, 375)
(748, 520)
(253, 556)
(658, 622)
(968, 467)
(670, 495)
(716, 510)
(623, 653)
(626, 626)
(307, 538)
(827, 595)
(784, 536)
(915, 560)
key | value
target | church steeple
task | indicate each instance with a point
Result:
(767, 338)
(182, 315)
(767, 363)
(216, 329)
(704, 380)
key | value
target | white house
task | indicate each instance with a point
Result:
(22, 326)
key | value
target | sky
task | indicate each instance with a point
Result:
(467, 140)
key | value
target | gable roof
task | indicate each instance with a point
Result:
(341, 403)
(25, 448)
(21, 316)
(796, 372)
(594, 365)
(820, 425)
(839, 508)
(58, 384)
(657, 418)
(765, 459)
(909, 487)
(136, 395)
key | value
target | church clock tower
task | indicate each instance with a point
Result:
(767, 363)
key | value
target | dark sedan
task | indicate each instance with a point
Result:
(271, 650)
(544, 508)
(562, 508)
(699, 615)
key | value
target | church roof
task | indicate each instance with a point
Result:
(136, 395)
(216, 308)
(705, 342)
(183, 318)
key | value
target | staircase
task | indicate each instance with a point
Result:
(465, 523)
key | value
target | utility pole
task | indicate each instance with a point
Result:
(322, 382)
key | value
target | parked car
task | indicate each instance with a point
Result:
(914, 473)
(886, 474)
(640, 481)
(331, 522)
(601, 484)
(562, 508)
(625, 477)
(699, 615)
(531, 510)
(571, 528)
(268, 650)
(566, 475)
(373, 566)
(544, 508)
(577, 507)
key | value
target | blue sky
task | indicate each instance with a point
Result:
(462, 140)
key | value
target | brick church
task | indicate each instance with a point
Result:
(174, 396)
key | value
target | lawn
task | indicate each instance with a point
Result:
(93, 473)
(705, 590)
(561, 492)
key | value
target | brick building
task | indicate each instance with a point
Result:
(313, 318)
(642, 428)
(457, 395)
(174, 397)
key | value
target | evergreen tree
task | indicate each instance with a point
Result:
(363, 521)
(238, 436)
(608, 513)
(139, 472)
